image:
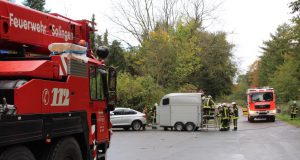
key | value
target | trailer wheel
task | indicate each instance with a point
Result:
(189, 126)
(17, 153)
(64, 149)
(178, 126)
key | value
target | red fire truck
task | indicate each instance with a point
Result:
(53, 106)
(261, 104)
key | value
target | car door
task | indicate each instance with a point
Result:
(129, 116)
(116, 117)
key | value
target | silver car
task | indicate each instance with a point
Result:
(127, 118)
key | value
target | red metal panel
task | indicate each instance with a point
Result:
(34, 68)
(21, 25)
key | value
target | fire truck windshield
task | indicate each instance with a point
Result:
(261, 97)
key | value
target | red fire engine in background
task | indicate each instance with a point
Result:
(53, 107)
(261, 104)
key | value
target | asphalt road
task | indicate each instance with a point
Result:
(252, 141)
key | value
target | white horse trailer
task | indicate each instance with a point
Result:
(181, 111)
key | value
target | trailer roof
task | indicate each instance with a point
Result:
(182, 94)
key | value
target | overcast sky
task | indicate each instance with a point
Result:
(248, 22)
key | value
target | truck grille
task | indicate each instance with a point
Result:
(262, 106)
(77, 68)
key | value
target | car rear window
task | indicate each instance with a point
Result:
(129, 112)
(119, 112)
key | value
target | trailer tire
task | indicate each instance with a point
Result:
(64, 149)
(17, 153)
(178, 126)
(189, 126)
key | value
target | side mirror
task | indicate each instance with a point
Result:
(102, 52)
(112, 113)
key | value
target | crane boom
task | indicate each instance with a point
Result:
(21, 26)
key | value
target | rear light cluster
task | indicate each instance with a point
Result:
(145, 116)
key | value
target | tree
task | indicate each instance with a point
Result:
(92, 34)
(138, 92)
(217, 70)
(36, 4)
(116, 56)
(253, 74)
(286, 81)
(158, 57)
(105, 38)
(273, 53)
(139, 17)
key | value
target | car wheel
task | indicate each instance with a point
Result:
(136, 125)
(178, 126)
(189, 126)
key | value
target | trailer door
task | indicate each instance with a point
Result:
(165, 112)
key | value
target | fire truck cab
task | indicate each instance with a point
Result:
(55, 96)
(261, 104)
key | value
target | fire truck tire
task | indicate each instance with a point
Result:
(64, 149)
(251, 119)
(178, 126)
(17, 153)
(189, 126)
(272, 119)
(136, 125)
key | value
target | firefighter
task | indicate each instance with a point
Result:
(234, 115)
(218, 115)
(208, 105)
(294, 110)
(225, 118)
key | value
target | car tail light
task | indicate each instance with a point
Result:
(145, 116)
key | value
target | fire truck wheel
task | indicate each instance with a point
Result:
(136, 125)
(189, 126)
(272, 119)
(64, 149)
(251, 119)
(178, 126)
(17, 153)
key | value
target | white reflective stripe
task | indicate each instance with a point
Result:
(63, 61)
(60, 71)
(95, 149)
(93, 129)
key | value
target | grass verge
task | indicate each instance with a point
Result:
(287, 118)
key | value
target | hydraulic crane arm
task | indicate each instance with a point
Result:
(24, 27)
